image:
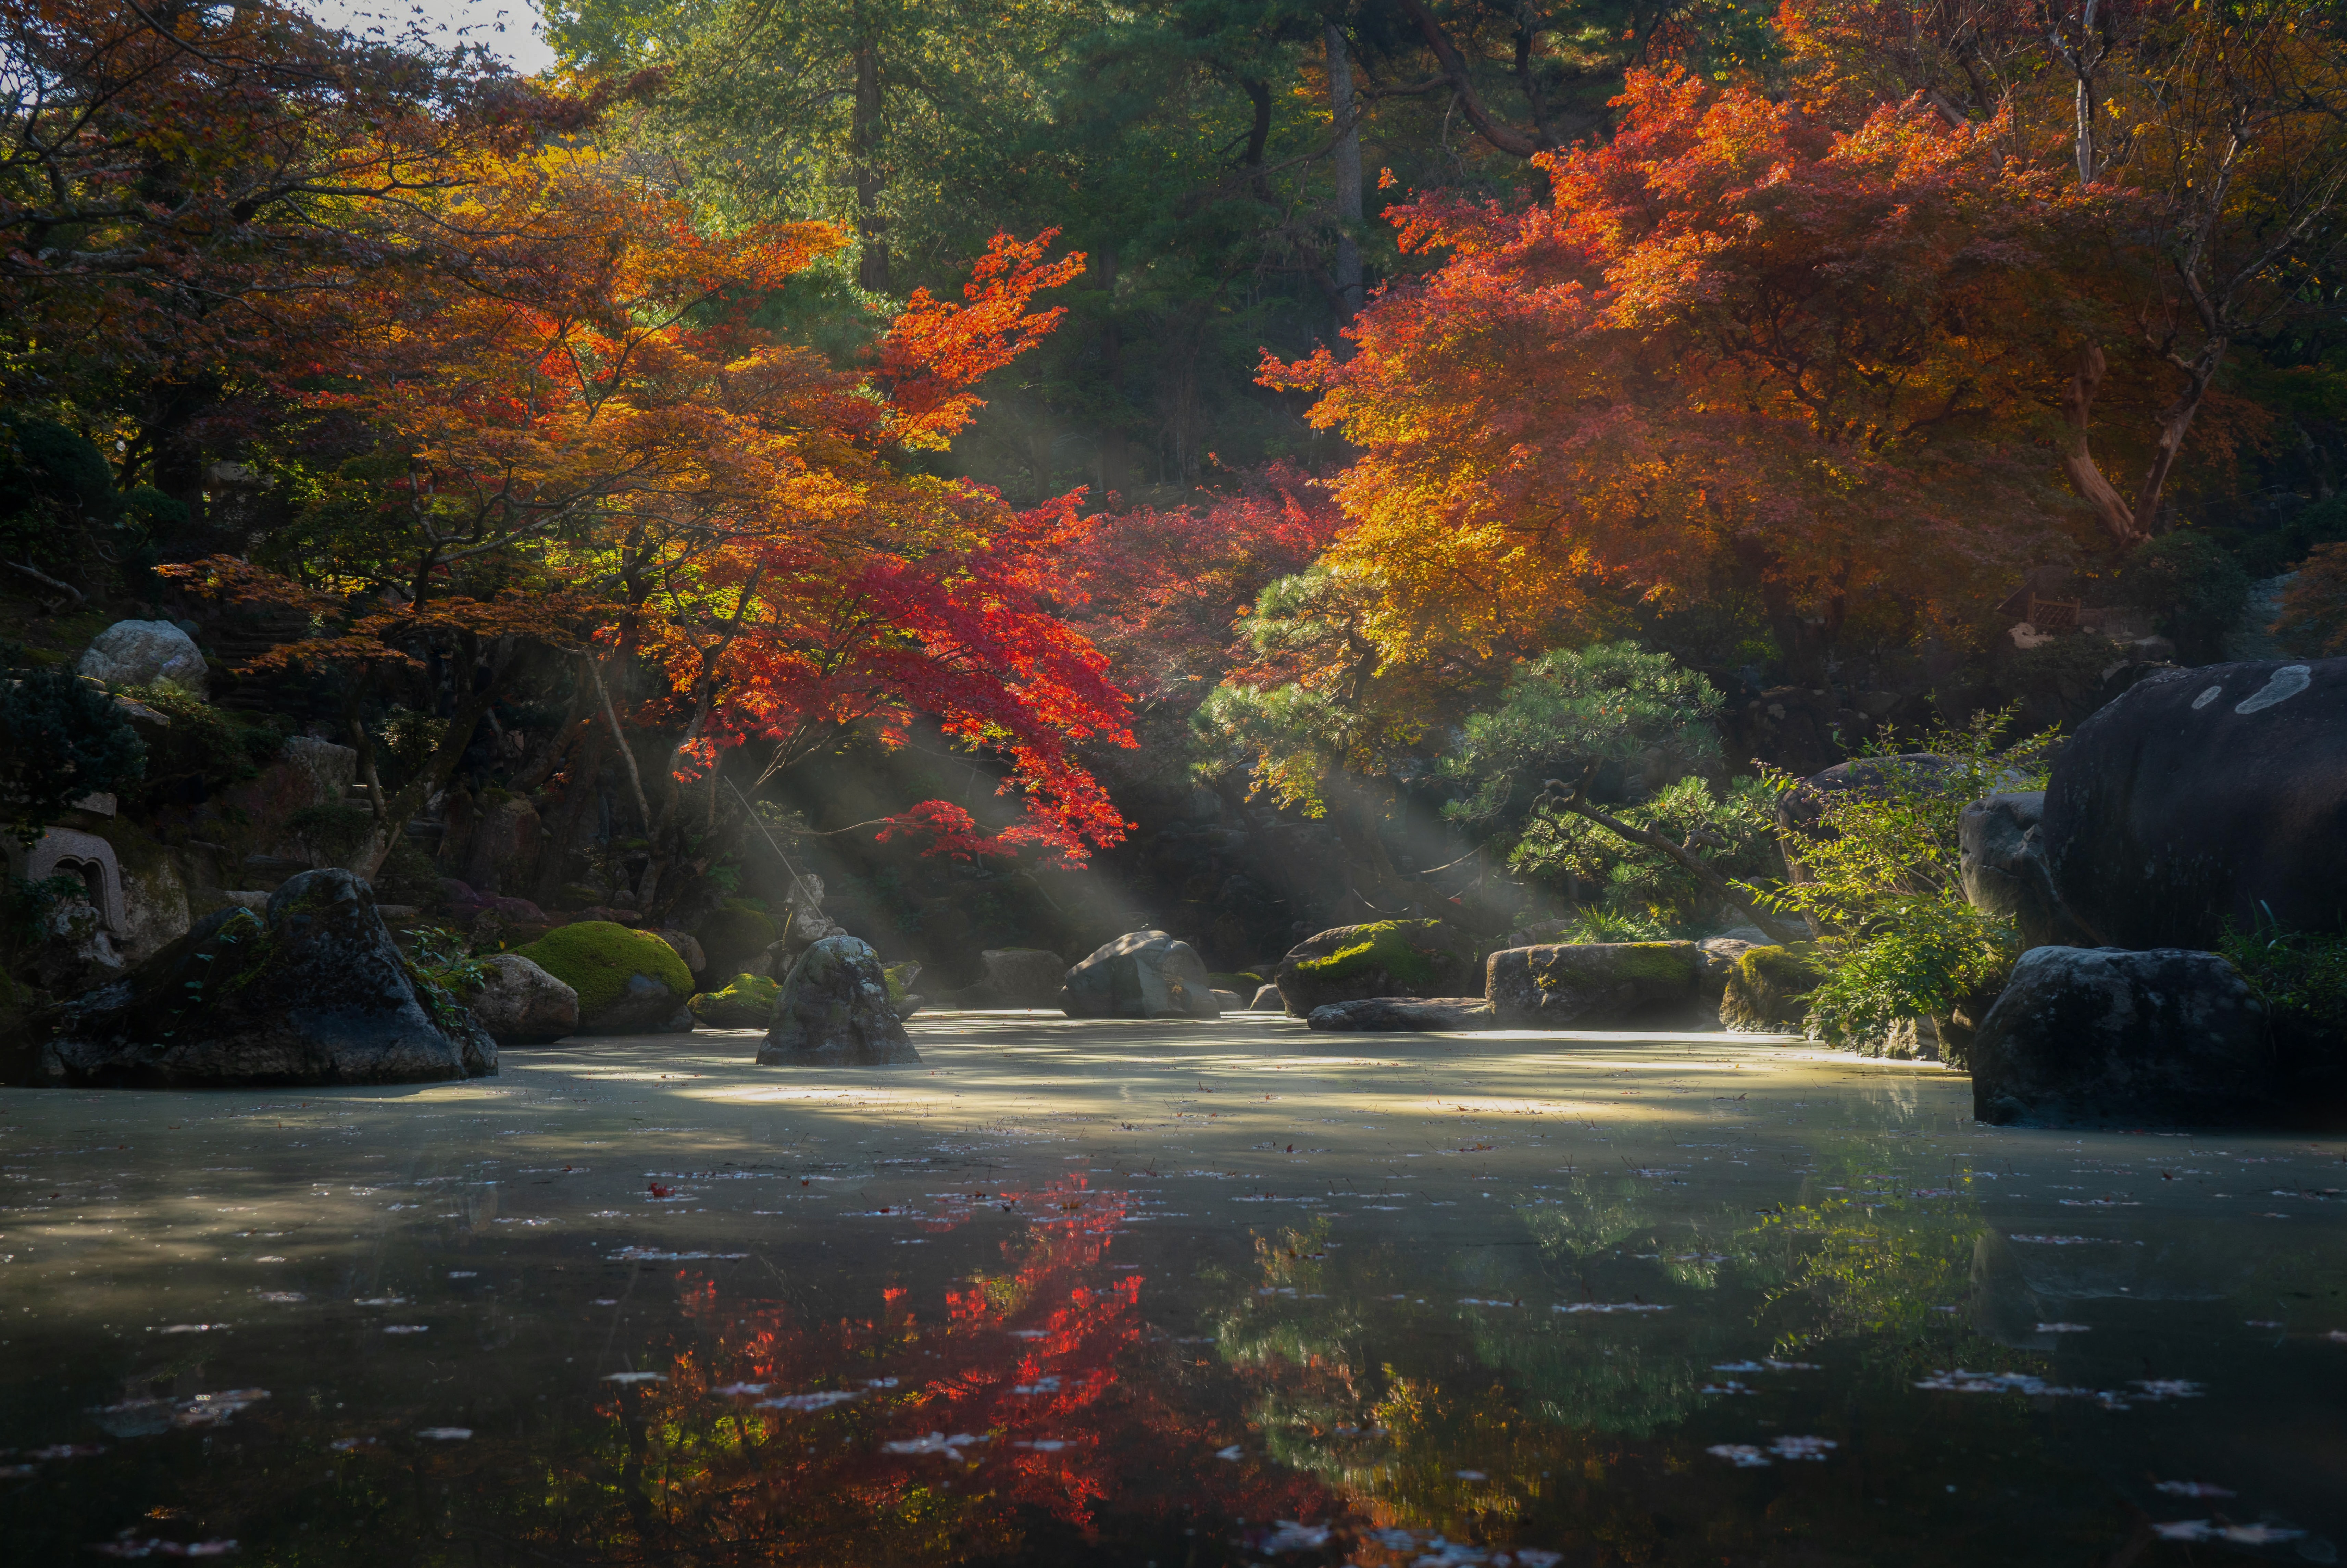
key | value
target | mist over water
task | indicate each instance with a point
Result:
(1139, 1292)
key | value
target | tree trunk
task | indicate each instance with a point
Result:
(1347, 166)
(2078, 460)
(864, 150)
(2174, 423)
(391, 816)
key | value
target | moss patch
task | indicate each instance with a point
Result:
(1768, 990)
(597, 957)
(900, 977)
(1401, 948)
(746, 1002)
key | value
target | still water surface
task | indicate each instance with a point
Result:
(1172, 1294)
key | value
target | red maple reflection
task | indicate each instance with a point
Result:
(1041, 1393)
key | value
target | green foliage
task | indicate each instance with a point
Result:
(2301, 976)
(2193, 585)
(53, 484)
(1885, 879)
(62, 738)
(204, 744)
(442, 957)
(1613, 706)
(1597, 923)
(335, 830)
(598, 957)
(26, 907)
(1640, 891)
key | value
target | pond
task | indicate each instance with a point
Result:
(1181, 1294)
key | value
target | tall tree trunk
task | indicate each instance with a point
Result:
(1346, 160)
(2174, 423)
(863, 149)
(392, 817)
(2077, 459)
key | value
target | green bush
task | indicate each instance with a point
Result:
(204, 742)
(1885, 882)
(2301, 976)
(1638, 892)
(61, 738)
(2193, 585)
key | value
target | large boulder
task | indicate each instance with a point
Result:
(1382, 959)
(2100, 1036)
(1768, 991)
(1378, 1013)
(734, 936)
(143, 652)
(746, 1001)
(1024, 976)
(1585, 983)
(1142, 974)
(628, 981)
(833, 1011)
(2204, 797)
(520, 1004)
(1999, 854)
(315, 992)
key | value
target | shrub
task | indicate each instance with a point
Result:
(1640, 893)
(2313, 622)
(2301, 976)
(2193, 585)
(62, 738)
(1885, 881)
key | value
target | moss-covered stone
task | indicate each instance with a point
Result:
(1579, 985)
(628, 981)
(1382, 959)
(736, 934)
(747, 1002)
(1768, 991)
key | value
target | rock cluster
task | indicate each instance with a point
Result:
(313, 992)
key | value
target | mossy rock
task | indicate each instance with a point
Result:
(747, 1002)
(628, 981)
(732, 935)
(1581, 985)
(1768, 991)
(1382, 959)
(900, 979)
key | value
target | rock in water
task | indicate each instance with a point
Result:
(628, 981)
(834, 1011)
(316, 993)
(747, 1002)
(1403, 1013)
(1025, 977)
(1583, 983)
(1142, 974)
(1382, 959)
(141, 652)
(2204, 796)
(2094, 1036)
(1768, 991)
(1268, 1000)
(520, 1004)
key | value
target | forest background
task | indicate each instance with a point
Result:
(1051, 467)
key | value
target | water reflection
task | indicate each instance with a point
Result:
(1837, 1350)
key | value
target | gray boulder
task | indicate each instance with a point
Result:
(520, 1004)
(2202, 797)
(2099, 1036)
(1714, 958)
(1228, 1001)
(834, 1011)
(1426, 1013)
(315, 992)
(2003, 868)
(1024, 976)
(686, 948)
(1142, 974)
(1587, 983)
(142, 652)
(1266, 998)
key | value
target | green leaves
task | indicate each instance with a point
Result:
(62, 739)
